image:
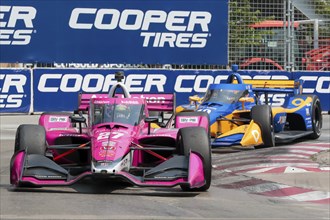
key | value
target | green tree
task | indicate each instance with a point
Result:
(241, 35)
(322, 7)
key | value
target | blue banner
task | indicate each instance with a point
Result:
(317, 83)
(15, 90)
(114, 31)
(57, 89)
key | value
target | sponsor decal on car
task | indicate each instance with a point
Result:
(58, 119)
(256, 135)
(59, 129)
(193, 120)
(129, 102)
(106, 135)
(106, 153)
(108, 145)
(281, 119)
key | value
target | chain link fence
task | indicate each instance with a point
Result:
(280, 34)
(291, 35)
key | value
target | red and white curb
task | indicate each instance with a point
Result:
(296, 158)
(270, 189)
(232, 170)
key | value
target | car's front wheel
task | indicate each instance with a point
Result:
(31, 138)
(196, 139)
(262, 115)
(316, 115)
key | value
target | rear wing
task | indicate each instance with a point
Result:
(155, 102)
(275, 86)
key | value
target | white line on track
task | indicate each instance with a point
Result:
(264, 165)
(308, 196)
(309, 147)
(262, 170)
(265, 160)
(303, 151)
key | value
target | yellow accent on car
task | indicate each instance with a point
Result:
(179, 109)
(223, 126)
(303, 103)
(245, 99)
(195, 98)
(241, 129)
(297, 102)
(261, 83)
(252, 136)
(154, 125)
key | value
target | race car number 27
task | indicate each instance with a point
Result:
(106, 135)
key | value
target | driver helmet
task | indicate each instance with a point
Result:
(107, 112)
(122, 111)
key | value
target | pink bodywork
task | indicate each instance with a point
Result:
(17, 167)
(112, 141)
(192, 121)
(59, 125)
(156, 102)
(195, 178)
(110, 145)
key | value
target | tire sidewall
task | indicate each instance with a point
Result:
(316, 117)
(196, 139)
(31, 138)
(262, 115)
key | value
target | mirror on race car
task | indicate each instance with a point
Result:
(152, 119)
(80, 119)
(77, 119)
(246, 99)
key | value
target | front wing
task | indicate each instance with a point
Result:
(244, 135)
(38, 170)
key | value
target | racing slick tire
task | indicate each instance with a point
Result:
(316, 115)
(262, 115)
(196, 140)
(31, 138)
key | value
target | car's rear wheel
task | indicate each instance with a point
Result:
(316, 115)
(262, 115)
(195, 139)
(31, 138)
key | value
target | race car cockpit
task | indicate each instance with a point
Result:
(130, 114)
(223, 94)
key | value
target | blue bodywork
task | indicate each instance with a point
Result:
(221, 106)
(222, 100)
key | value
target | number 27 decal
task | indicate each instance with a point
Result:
(106, 135)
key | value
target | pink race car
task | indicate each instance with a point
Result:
(119, 140)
